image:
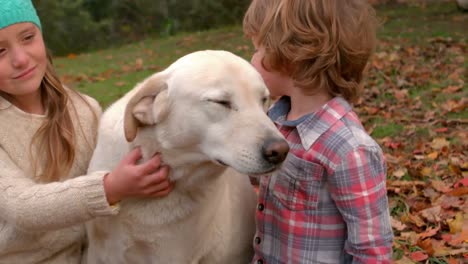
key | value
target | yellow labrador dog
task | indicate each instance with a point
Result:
(206, 114)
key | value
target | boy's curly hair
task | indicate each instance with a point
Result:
(319, 43)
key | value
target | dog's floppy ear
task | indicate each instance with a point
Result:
(139, 110)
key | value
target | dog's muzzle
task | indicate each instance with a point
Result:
(275, 150)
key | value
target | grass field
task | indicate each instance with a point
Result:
(414, 105)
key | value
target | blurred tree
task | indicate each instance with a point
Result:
(137, 18)
(99, 9)
(204, 14)
(78, 25)
(68, 27)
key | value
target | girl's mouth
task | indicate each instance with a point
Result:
(25, 74)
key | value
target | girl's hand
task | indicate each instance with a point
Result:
(129, 179)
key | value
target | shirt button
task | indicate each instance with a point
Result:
(260, 261)
(257, 240)
(260, 207)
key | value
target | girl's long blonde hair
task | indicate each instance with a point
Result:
(56, 138)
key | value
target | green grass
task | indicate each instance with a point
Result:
(384, 129)
(108, 74)
(416, 22)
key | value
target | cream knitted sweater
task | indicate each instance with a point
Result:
(44, 223)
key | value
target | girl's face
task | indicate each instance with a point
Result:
(23, 60)
(278, 83)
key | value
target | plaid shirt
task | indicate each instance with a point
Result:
(328, 202)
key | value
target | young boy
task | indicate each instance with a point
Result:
(328, 203)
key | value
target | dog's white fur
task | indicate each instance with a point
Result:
(204, 111)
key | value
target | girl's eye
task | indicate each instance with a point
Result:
(264, 100)
(2, 51)
(28, 37)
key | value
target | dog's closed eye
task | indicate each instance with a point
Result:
(225, 103)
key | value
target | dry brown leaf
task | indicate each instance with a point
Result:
(456, 224)
(400, 173)
(139, 64)
(439, 143)
(417, 220)
(404, 260)
(120, 84)
(397, 224)
(440, 186)
(429, 232)
(411, 237)
(426, 245)
(71, 56)
(426, 172)
(433, 155)
(407, 183)
(431, 214)
(459, 191)
(418, 256)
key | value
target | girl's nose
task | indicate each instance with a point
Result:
(19, 57)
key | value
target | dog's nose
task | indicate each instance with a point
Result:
(275, 150)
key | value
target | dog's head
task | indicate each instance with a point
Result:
(208, 105)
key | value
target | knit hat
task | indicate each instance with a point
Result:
(17, 11)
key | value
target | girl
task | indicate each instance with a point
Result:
(47, 140)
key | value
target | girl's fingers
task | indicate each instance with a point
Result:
(162, 188)
(133, 156)
(163, 192)
(159, 176)
(151, 165)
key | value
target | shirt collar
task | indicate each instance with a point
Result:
(4, 103)
(311, 126)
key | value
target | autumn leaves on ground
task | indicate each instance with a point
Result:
(414, 105)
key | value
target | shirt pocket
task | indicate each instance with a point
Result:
(297, 184)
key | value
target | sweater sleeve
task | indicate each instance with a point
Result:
(30, 206)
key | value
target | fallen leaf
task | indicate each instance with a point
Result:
(71, 56)
(426, 245)
(441, 130)
(418, 256)
(429, 232)
(397, 224)
(400, 173)
(411, 237)
(433, 155)
(456, 224)
(439, 143)
(426, 171)
(431, 214)
(440, 186)
(404, 260)
(459, 191)
(462, 182)
(451, 260)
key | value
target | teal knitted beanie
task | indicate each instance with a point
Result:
(17, 11)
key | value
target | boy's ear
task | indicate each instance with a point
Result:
(147, 106)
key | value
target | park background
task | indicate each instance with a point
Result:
(414, 103)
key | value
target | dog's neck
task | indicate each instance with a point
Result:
(181, 162)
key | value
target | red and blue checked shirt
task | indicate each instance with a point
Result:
(328, 202)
